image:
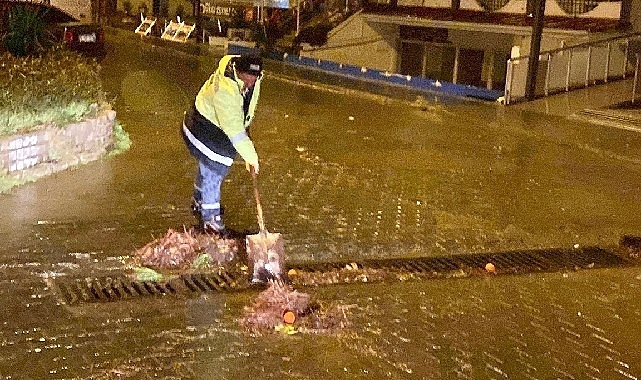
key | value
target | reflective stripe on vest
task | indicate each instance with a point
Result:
(206, 151)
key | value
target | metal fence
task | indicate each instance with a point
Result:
(576, 66)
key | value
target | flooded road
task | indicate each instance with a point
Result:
(344, 175)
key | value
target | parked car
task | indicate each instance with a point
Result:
(60, 27)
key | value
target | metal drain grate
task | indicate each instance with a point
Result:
(74, 291)
(545, 260)
(108, 289)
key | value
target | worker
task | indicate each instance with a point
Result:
(216, 129)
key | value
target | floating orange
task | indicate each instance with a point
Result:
(490, 267)
(289, 317)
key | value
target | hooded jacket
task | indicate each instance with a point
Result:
(217, 124)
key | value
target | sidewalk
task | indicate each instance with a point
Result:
(605, 104)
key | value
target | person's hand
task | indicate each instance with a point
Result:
(249, 167)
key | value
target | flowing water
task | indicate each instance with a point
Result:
(344, 175)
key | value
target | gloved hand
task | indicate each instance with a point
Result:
(249, 167)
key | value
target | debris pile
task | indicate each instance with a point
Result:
(179, 250)
(630, 246)
(351, 273)
(281, 308)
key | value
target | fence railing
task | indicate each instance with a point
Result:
(577, 66)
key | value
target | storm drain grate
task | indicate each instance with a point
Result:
(74, 291)
(108, 289)
(517, 262)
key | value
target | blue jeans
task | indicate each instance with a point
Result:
(207, 189)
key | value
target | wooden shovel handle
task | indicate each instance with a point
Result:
(259, 208)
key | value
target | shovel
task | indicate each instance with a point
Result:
(265, 250)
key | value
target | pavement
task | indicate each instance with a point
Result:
(614, 103)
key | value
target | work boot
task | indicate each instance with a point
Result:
(215, 225)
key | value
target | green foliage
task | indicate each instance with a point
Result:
(56, 88)
(259, 34)
(202, 262)
(122, 140)
(25, 32)
(147, 274)
(8, 182)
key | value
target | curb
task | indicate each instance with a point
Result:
(48, 148)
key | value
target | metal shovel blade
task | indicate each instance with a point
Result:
(265, 256)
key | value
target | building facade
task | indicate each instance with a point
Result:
(470, 45)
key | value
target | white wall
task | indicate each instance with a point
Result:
(355, 42)
(481, 40)
(80, 9)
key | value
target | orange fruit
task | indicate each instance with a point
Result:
(289, 317)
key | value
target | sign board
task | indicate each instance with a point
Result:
(216, 10)
(145, 26)
(224, 8)
(177, 31)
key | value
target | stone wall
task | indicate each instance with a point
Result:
(48, 148)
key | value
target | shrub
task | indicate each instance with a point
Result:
(142, 8)
(57, 88)
(164, 9)
(25, 31)
(127, 7)
(180, 11)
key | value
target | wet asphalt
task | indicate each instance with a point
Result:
(346, 174)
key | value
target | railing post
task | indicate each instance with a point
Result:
(625, 57)
(567, 74)
(636, 78)
(587, 67)
(547, 76)
(508, 82)
(455, 71)
(607, 64)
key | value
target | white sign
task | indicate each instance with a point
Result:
(213, 9)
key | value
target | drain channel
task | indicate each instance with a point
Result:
(517, 262)
(107, 289)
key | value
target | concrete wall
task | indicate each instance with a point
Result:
(51, 148)
(361, 44)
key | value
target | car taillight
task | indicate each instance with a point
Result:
(68, 36)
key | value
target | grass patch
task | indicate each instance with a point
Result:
(7, 182)
(56, 88)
